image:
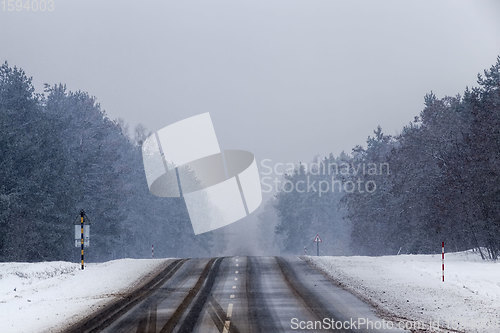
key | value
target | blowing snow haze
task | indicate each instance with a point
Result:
(284, 79)
(249, 166)
(290, 81)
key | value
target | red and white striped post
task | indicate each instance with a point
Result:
(442, 258)
(152, 251)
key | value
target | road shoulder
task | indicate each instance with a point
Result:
(409, 289)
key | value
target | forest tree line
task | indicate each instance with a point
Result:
(443, 184)
(60, 153)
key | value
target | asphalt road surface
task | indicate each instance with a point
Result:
(237, 294)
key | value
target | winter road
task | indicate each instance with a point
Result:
(237, 294)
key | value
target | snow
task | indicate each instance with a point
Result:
(47, 296)
(409, 288)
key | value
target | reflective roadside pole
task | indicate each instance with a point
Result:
(82, 235)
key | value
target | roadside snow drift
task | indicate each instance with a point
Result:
(37, 297)
(410, 287)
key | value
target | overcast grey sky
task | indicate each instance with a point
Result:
(284, 79)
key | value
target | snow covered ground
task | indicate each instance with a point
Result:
(46, 296)
(410, 287)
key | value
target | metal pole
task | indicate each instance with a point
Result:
(442, 258)
(317, 249)
(82, 213)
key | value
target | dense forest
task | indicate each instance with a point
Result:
(438, 180)
(441, 184)
(60, 153)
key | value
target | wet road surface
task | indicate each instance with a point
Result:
(237, 294)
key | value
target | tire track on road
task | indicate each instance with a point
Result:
(306, 296)
(115, 310)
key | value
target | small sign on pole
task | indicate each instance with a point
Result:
(317, 240)
(86, 235)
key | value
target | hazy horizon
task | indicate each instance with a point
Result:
(273, 75)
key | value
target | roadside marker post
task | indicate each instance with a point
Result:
(82, 235)
(82, 214)
(317, 240)
(442, 258)
(152, 251)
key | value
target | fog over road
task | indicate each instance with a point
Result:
(234, 294)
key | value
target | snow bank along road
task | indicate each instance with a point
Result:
(410, 287)
(40, 297)
(237, 294)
